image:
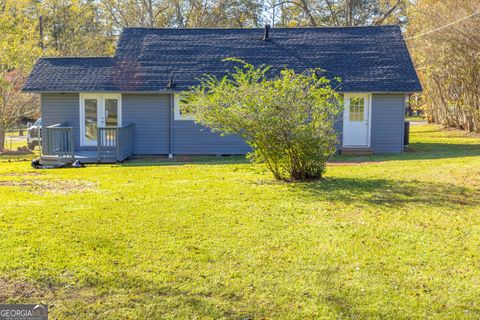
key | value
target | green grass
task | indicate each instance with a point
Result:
(415, 118)
(386, 237)
(14, 142)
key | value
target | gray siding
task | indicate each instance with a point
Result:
(191, 138)
(387, 123)
(61, 108)
(339, 129)
(150, 113)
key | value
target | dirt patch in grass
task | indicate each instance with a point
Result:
(20, 174)
(5, 158)
(19, 151)
(17, 290)
(42, 187)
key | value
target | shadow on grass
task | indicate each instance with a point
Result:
(415, 151)
(197, 303)
(387, 193)
(166, 298)
(147, 161)
(419, 151)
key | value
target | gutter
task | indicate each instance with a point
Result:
(123, 92)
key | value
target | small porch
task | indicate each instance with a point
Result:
(114, 144)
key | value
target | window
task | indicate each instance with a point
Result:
(91, 119)
(111, 112)
(357, 108)
(176, 109)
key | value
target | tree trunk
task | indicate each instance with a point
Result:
(150, 19)
(3, 104)
(309, 14)
(349, 12)
(2, 139)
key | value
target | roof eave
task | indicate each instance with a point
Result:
(94, 91)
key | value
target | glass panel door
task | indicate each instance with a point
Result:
(109, 120)
(99, 111)
(90, 122)
(111, 112)
(356, 121)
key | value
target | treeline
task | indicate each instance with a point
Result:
(89, 27)
(448, 60)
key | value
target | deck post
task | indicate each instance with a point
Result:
(117, 144)
(72, 146)
(48, 149)
(99, 151)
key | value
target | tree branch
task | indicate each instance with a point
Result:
(388, 13)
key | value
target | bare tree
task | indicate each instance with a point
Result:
(342, 12)
(445, 45)
(183, 13)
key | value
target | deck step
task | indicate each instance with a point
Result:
(49, 160)
(357, 151)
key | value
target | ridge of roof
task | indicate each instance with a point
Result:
(75, 57)
(262, 28)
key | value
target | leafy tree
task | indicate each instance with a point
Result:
(288, 119)
(445, 44)
(339, 12)
(76, 28)
(136, 13)
(18, 51)
(182, 13)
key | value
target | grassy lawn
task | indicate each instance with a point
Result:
(415, 118)
(387, 237)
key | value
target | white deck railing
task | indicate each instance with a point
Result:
(59, 141)
(115, 143)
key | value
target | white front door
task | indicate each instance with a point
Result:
(98, 111)
(356, 121)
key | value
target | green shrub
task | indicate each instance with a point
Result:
(288, 120)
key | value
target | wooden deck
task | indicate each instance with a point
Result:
(113, 145)
(84, 156)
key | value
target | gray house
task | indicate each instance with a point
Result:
(107, 108)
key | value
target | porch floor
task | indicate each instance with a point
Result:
(86, 156)
(82, 155)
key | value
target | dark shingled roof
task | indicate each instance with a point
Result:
(367, 59)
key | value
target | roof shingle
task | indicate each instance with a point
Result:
(367, 59)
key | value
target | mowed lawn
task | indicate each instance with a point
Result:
(387, 237)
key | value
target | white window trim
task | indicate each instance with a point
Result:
(177, 115)
(101, 104)
(368, 95)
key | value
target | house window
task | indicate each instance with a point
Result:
(357, 108)
(91, 108)
(176, 109)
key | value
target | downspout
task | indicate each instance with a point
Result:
(172, 101)
(406, 99)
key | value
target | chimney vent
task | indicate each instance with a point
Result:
(266, 36)
(171, 84)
